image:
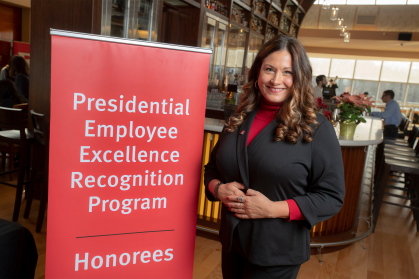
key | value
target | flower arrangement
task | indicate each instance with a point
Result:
(352, 106)
(322, 108)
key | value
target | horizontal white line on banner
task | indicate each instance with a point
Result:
(94, 37)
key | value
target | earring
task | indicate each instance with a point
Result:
(256, 85)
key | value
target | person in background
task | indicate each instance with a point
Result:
(4, 74)
(329, 90)
(392, 115)
(318, 90)
(19, 71)
(277, 168)
(366, 94)
(9, 95)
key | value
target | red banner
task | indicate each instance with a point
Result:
(22, 49)
(127, 125)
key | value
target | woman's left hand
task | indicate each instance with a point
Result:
(255, 206)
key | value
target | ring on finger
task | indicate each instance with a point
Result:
(240, 198)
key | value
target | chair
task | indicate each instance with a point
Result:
(39, 173)
(14, 120)
(8, 150)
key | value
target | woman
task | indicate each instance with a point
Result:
(9, 95)
(19, 72)
(277, 168)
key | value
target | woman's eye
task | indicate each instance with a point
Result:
(288, 72)
(269, 70)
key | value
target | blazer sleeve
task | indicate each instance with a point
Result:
(326, 189)
(211, 171)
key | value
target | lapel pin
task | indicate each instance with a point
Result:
(242, 132)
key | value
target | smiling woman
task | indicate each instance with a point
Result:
(277, 168)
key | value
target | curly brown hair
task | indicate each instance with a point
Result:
(298, 112)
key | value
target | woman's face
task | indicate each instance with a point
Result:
(275, 77)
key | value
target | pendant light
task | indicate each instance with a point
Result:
(340, 23)
(343, 30)
(334, 13)
(346, 37)
(326, 4)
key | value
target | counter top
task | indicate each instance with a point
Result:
(369, 133)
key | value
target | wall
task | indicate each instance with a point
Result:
(72, 15)
(26, 25)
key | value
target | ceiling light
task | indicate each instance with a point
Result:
(343, 30)
(346, 37)
(340, 23)
(326, 4)
(334, 13)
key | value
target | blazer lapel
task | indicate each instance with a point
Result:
(241, 148)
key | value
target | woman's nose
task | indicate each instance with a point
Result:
(277, 79)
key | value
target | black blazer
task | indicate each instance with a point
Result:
(310, 173)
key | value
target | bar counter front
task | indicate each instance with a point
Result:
(340, 228)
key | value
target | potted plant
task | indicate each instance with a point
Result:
(351, 109)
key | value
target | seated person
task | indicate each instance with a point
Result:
(19, 71)
(9, 95)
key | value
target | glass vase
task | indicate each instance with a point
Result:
(347, 129)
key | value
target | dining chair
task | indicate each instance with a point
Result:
(12, 121)
(39, 173)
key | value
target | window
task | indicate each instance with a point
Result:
(390, 2)
(360, 2)
(413, 94)
(414, 73)
(362, 86)
(395, 71)
(398, 88)
(367, 69)
(235, 55)
(372, 76)
(344, 68)
(320, 66)
(344, 85)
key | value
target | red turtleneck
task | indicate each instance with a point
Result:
(266, 113)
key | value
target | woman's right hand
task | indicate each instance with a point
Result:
(230, 189)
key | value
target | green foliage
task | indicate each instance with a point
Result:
(351, 113)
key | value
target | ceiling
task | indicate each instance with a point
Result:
(318, 31)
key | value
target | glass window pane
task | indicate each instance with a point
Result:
(412, 2)
(143, 21)
(413, 94)
(414, 73)
(255, 44)
(360, 2)
(344, 85)
(118, 23)
(391, 2)
(343, 68)
(367, 69)
(235, 55)
(398, 88)
(362, 86)
(337, 2)
(320, 66)
(395, 71)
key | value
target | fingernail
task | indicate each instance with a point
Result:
(227, 198)
(229, 208)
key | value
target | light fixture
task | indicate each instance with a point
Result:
(343, 30)
(334, 13)
(346, 37)
(340, 23)
(326, 4)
